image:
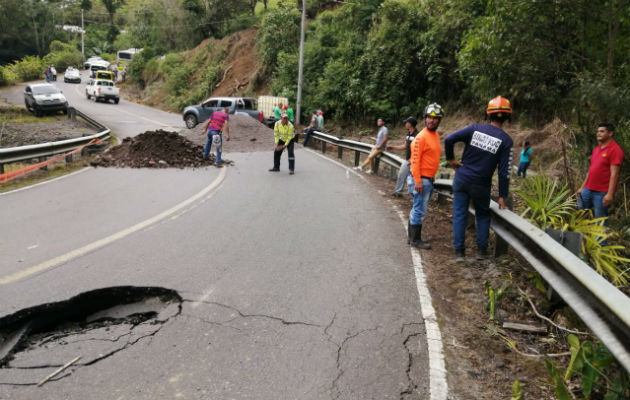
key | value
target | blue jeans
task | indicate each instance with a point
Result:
(463, 193)
(420, 201)
(595, 201)
(307, 135)
(206, 151)
(278, 153)
(402, 177)
(522, 168)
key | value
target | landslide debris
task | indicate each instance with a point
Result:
(155, 149)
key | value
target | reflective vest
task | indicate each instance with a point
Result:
(283, 132)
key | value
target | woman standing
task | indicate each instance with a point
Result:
(526, 159)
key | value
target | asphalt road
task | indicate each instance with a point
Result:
(124, 119)
(293, 287)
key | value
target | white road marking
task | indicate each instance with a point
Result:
(438, 386)
(112, 238)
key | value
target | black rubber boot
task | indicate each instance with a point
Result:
(416, 237)
(460, 255)
(409, 233)
(482, 253)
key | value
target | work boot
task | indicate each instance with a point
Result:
(482, 253)
(416, 237)
(460, 255)
(274, 170)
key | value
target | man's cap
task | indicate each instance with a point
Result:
(411, 120)
(284, 115)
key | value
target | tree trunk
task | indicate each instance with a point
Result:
(614, 20)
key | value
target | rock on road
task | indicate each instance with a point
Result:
(293, 287)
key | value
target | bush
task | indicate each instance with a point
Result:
(29, 68)
(7, 77)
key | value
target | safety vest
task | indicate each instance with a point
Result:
(283, 132)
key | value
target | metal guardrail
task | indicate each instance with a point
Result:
(37, 151)
(602, 307)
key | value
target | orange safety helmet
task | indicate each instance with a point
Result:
(499, 105)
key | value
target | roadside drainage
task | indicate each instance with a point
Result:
(51, 340)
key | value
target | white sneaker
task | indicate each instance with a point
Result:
(359, 168)
(369, 172)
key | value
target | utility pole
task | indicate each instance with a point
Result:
(82, 36)
(300, 65)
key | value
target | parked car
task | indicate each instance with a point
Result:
(101, 89)
(194, 115)
(72, 75)
(43, 97)
(88, 63)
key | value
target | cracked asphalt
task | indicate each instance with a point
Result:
(293, 287)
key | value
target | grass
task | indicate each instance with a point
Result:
(19, 115)
(54, 170)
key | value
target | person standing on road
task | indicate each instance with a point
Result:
(284, 136)
(381, 144)
(487, 146)
(312, 128)
(526, 159)
(424, 162)
(602, 178)
(403, 172)
(218, 122)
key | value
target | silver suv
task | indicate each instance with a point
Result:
(194, 115)
(43, 97)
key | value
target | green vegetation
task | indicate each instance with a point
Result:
(547, 205)
(593, 370)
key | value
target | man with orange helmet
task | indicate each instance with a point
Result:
(487, 146)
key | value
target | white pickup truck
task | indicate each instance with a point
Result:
(101, 89)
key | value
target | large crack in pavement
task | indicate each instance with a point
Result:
(92, 325)
(227, 319)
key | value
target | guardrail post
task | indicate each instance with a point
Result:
(1, 168)
(357, 158)
(393, 173)
(500, 246)
(339, 152)
(323, 147)
(377, 161)
(72, 113)
(69, 158)
(45, 167)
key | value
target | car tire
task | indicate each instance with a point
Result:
(116, 101)
(38, 112)
(87, 95)
(191, 121)
(65, 111)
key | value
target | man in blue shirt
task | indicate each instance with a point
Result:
(487, 147)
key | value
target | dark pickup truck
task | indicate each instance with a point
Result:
(194, 115)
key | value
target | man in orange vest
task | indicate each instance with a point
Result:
(424, 163)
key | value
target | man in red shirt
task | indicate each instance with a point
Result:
(218, 122)
(602, 179)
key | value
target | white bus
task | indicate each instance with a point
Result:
(123, 57)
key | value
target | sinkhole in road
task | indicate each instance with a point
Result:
(93, 325)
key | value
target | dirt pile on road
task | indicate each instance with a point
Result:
(155, 149)
(246, 135)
